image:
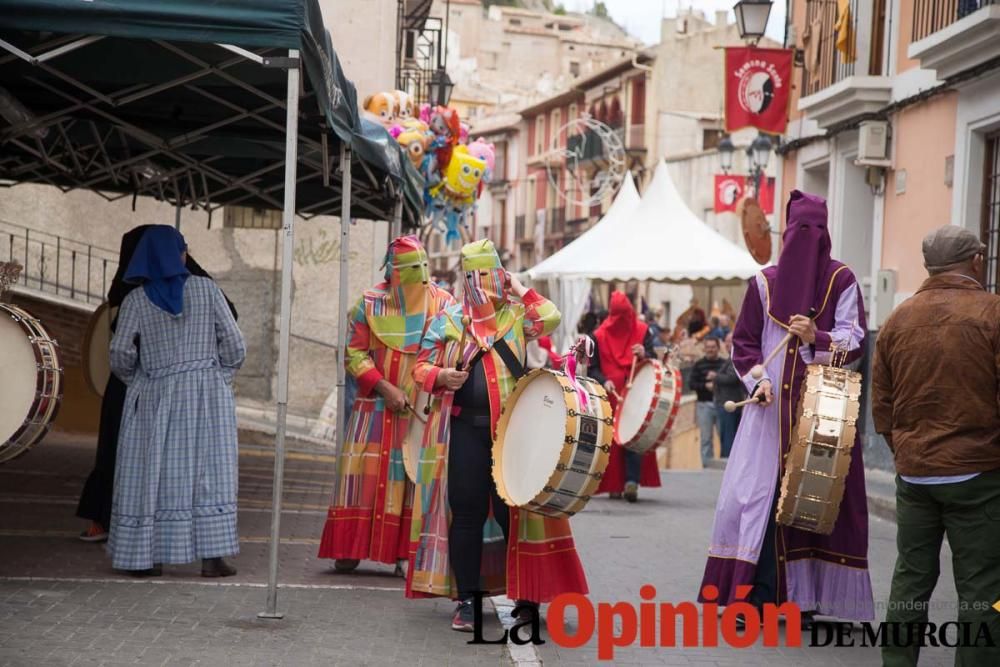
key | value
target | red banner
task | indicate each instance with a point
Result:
(731, 189)
(758, 88)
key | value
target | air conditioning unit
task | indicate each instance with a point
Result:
(873, 144)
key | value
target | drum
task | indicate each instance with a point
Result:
(647, 410)
(550, 450)
(820, 452)
(32, 386)
(96, 346)
(413, 440)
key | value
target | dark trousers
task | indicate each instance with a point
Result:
(728, 423)
(633, 466)
(99, 489)
(471, 490)
(765, 580)
(969, 514)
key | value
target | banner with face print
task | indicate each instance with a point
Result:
(758, 88)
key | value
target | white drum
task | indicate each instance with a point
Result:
(96, 349)
(550, 450)
(647, 410)
(413, 439)
(32, 381)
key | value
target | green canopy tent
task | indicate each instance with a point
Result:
(200, 104)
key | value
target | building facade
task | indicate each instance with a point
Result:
(896, 120)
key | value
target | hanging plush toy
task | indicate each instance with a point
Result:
(486, 152)
(455, 197)
(446, 126)
(381, 108)
(404, 106)
(415, 139)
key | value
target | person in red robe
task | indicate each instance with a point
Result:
(617, 341)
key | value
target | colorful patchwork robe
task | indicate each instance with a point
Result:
(541, 559)
(370, 518)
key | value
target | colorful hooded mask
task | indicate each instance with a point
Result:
(397, 308)
(484, 293)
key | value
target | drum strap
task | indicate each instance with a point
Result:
(510, 360)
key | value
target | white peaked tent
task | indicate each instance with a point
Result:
(659, 240)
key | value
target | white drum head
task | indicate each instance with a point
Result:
(414, 440)
(636, 404)
(97, 365)
(534, 438)
(20, 376)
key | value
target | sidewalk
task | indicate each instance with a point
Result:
(60, 604)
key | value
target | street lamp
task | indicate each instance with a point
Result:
(439, 88)
(751, 18)
(726, 149)
(761, 151)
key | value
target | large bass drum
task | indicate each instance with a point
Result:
(32, 384)
(820, 452)
(97, 349)
(551, 450)
(648, 408)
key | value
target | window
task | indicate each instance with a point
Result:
(554, 129)
(574, 112)
(639, 100)
(710, 139)
(991, 213)
(574, 68)
(246, 217)
(515, 21)
(539, 135)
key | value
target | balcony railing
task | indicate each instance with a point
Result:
(589, 146)
(930, 16)
(557, 221)
(59, 266)
(831, 55)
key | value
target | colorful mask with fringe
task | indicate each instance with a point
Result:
(484, 293)
(397, 308)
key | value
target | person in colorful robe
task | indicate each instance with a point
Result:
(370, 517)
(464, 538)
(823, 574)
(619, 340)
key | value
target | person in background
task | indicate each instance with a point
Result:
(727, 386)
(618, 342)
(98, 490)
(177, 348)
(935, 380)
(721, 327)
(703, 376)
(370, 517)
(553, 359)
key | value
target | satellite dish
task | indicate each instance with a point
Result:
(756, 230)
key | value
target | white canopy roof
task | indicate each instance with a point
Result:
(660, 239)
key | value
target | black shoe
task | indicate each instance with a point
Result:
(155, 571)
(464, 618)
(632, 492)
(527, 611)
(741, 620)
(346, 564)
(807, 619)
(216, 567)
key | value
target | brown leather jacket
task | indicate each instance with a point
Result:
(936, 379)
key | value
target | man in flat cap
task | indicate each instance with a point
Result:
(936, 399)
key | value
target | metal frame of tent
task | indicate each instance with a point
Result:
(87, 139)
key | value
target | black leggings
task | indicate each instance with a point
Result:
(470, 492)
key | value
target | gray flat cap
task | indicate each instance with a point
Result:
(950, 245)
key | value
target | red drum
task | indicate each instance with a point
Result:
(32, 386)
(647, 410)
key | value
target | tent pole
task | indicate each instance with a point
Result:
(177, 216)
(396, 226)
(342, 316)
(287, 228)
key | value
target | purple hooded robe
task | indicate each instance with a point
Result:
(827, 574)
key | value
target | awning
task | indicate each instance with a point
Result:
(184, 101)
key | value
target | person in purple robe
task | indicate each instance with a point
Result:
(823, 574)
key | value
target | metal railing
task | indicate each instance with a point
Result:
(520, 227)
(930, 16)
(831, 50)
(557, 220)
(57, 265)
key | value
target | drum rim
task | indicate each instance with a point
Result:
(38, 337)
(537, 502)
(661, 369)
(88, 338)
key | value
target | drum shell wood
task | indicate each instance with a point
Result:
(48, 385)
(580, 464)
(819, 455)
(661, 413)
(413, 438)
(97, 349)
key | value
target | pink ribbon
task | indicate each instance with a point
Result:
(588, 349)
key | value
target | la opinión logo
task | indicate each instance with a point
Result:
(740, 625)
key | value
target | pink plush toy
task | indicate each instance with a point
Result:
(485, 152)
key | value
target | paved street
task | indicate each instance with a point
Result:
(60, 604)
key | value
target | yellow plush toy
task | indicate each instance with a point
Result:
(462, 177)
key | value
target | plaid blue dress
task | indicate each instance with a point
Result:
(176, 476)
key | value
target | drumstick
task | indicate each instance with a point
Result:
(413, 411)
(631, 372)
(730, 406)
(757, 372)
(466, 321)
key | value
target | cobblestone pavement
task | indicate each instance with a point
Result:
(60, 604)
